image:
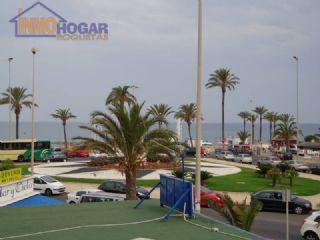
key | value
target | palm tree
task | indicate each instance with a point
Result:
(237, 214)
(275, 175)
(19, 99)
(245, 117)
(129, 133)
(243, 135)
(291, 174)
(270, 116)
(286, 129)
(252, 119)
(260, 111)
(187, 113)
(160, 112)
(224, 79)
(275, 120)
(121, 95)
(64, 115)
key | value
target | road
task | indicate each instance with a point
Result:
(270, 224)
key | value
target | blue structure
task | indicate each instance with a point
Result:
(177, 194)
(36, 200)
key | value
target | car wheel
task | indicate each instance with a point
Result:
(48, 192)
(298, 210)
(310, 236)
(21, 158)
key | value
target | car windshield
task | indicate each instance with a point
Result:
(48, 179)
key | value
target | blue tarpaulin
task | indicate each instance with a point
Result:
(37, 200)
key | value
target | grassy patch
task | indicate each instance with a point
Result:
(142, 183)
(250, 181)
(24, 168)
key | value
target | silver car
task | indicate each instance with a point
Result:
(299, 165)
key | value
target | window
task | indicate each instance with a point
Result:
(317, 219)
(277, 196)
(119, 187)
(108, 186)
(265, 195)
(38, 181)
(80, 193)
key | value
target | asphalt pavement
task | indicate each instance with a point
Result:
(271, 225)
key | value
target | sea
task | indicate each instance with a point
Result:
(210, 131)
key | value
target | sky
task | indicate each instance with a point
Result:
(153, 45)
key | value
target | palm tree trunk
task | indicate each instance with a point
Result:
(244, 125)
(260, 135)
(222, 105)
(287, 145)
(274, 128)
(17, 125)
(252, 132)
(131, 183)
(190, 137)
(65, 135)
(270, 126)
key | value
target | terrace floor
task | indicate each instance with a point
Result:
(106, 221)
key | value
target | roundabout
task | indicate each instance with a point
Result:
(80, 169)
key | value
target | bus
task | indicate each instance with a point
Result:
(20, 150)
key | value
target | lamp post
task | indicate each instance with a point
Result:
(297, 80)
(198, 123)
(34, 51)
(10, 101)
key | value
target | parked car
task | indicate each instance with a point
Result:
(267, 160)
(101, 197)
(243, 158)
(48, 185)
(284, 155)
(314, 169)
(271, 200)
(207, 195)
(119, 186)
(310, 229)
(293, 149)
(82, 153)
(55, 157)
(70, 153)
(75, 197)
(96, 154)
(299, 165)
(225, 155)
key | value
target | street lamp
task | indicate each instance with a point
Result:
(10, 101)
(296, 59)
(198, 121)
(34, 51)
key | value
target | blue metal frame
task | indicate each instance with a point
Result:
(148, 194)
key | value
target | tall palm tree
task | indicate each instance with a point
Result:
(121, 95)
(245, 117)
(19, 99)
(224, 79)
(275, 120)
(64, 115)
(252, 119)
(286, 128)
(270, 116)
(237, 214)
(187, 113)
(129, 133)
(261, 110)
(160, 112)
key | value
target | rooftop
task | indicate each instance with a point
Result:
(106, 221)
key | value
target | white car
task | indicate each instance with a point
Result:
(243, 158)
(228, 156)
(75, 197)
(48, 185)
(96, 154)
(311, 227)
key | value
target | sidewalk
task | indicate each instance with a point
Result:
(250, 166)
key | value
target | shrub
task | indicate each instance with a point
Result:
(100, 161)
(6, 165)
(291, 174)
(275, 175)
(264, 168)
(204, 175)
(283, 167)
(178, 173)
